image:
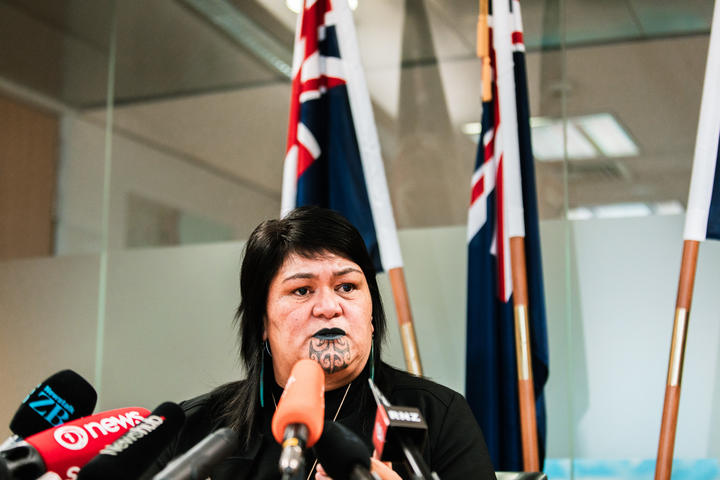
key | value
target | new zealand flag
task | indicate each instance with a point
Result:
(333, 154)
(703, 210)
(491, 371)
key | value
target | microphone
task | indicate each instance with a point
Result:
(342, 453)
(66, 448)
(298, 419)
(399, 435)
(62, 397)
(4, 471)
(197, 463)
(49, 476)
(130, 455)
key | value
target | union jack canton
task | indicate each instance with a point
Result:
(330, 111)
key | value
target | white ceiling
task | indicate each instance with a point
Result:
(186, 88)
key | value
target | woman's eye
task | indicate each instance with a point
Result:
(302, 291)
(347, 287)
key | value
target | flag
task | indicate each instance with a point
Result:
(703, 209)
(333, 154)
(503, 205)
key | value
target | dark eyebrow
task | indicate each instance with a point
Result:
(306, 275)
(345, 271)
(299, 275)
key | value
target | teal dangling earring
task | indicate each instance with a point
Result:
(372, 361)
(262, 376)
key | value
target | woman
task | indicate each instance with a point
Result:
(308, 290)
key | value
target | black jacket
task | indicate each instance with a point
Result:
(454, 448)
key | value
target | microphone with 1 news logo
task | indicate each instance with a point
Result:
(66, 448)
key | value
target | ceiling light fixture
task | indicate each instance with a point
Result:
(624, 210)
(585, 137)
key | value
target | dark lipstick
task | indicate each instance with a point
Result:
(329, 333)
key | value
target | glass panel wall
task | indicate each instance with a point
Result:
(145, 195)
(631, 88)
(199, 123)
(53, 71)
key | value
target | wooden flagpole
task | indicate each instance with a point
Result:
(404, 314)
(526, 391)
(663, 466)
(699, 206)
(376, 183)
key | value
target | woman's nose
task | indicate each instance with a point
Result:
(326, 304)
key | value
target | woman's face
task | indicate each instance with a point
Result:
(319, 308)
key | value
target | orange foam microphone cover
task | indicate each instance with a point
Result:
(303, 401)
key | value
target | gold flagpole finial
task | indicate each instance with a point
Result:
(483, 49)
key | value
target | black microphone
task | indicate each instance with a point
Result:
(4, 471)
(60, 398)
(342, 453)
(198, 462)
(130, 455)
(399, 435)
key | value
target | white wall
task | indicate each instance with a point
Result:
(625, 274)
(169, 334)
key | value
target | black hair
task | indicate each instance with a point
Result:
(305, 231)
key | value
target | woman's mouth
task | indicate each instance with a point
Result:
(329, 333)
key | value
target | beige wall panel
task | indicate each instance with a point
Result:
(28, 164)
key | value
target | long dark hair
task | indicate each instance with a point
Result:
(305, 231)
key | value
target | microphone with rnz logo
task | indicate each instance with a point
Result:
(62, 397)
(66, 448)
(197, 463)
(399, 435)
(130, 455)
(298, 419)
